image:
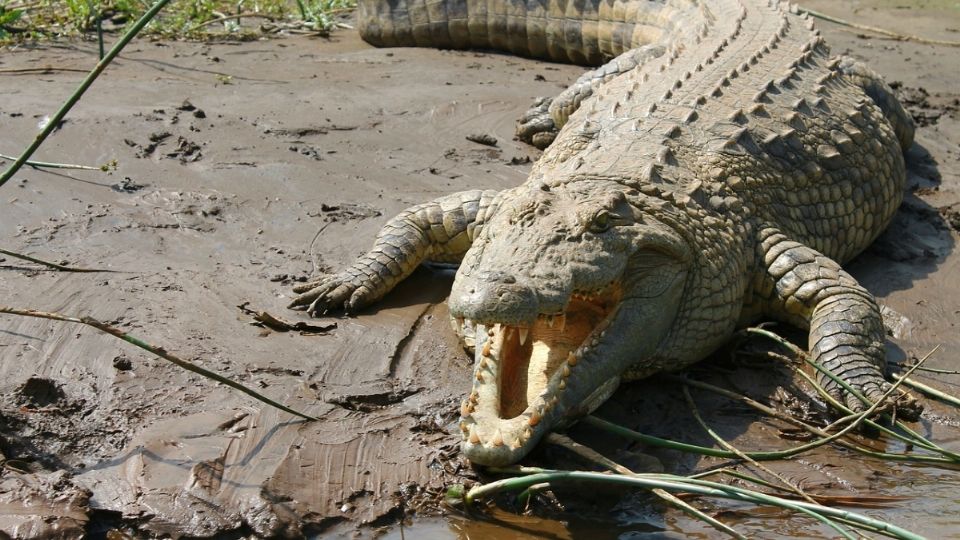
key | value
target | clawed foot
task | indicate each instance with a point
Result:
(900, 403)
(331, 293)
(536, 126)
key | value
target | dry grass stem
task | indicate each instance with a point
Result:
(882, 31)
(158, 351)
(62, 268)
(597, 458)
(724, 443)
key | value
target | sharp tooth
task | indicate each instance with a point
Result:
(563, 384)
(464, 427)
(508, 333)
(486, 348)
(464, 409)
(479, 377)
(474, 438)
(460, 321)
(563, 321)
(497, 438)
(534, 419)
(515, 443)
(527, 433)
(566, 371)
(524, 332)
(483, 363)
(550, 319)
(496, 328)
(474, 397)
(572, 359)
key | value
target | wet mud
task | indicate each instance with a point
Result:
(243, 169)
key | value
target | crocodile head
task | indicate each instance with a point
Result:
(566, 288)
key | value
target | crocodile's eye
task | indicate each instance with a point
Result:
(601, 222)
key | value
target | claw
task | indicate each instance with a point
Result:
(536, 126)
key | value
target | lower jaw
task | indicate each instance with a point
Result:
(509, 448)
(496, 456)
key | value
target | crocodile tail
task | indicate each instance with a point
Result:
(883, 95)
(586, 32)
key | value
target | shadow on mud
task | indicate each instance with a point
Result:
(916, 242)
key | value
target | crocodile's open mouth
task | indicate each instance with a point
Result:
(522, 370)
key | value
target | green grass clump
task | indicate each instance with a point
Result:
(24, 20)
(8, 17)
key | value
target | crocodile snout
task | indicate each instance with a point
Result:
(493, 296)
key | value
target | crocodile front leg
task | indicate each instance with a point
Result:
(808, 289)
(440, 230)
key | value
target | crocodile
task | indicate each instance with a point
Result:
(716, 167)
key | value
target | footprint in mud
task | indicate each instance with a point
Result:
(345, 212)
(184, 149)
(51, 424)
(180, 210)
(39, 392)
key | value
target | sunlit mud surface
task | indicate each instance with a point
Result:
(245, 168)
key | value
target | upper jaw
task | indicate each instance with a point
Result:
(492, 298)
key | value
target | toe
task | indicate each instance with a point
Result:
(853, 402)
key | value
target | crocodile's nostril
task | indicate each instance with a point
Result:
(497, 277)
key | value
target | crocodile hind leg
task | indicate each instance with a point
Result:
(541, 123)
(441, 230)
(808, 289)
(881, 94)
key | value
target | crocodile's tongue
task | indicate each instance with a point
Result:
(529, 356)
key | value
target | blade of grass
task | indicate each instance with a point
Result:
(225, 18)
(525, 470)
(781, 454)
(930, 369)
(158, 351)
(48, 69)
(851, 518)
(596, 457)
(48, 165)
(812, 429)
(913, 437)
(681, 484)
(726, 444)
(739, 475)
(932, 392)
(84, 85)
(910, 437)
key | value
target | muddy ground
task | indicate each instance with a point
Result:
(244, 168)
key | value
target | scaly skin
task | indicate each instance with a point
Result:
(718, 172)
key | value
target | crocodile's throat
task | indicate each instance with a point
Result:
(523, 370)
